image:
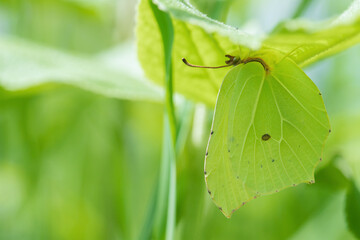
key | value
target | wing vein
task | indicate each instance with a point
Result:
(281, 129)
(252, 118)
(296, 156)
(300, 104)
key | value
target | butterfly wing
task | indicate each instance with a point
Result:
(268, 133)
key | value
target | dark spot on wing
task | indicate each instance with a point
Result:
(319, 93)
(212, 132)
(273, 160)
(237, 177)
(206, 153)
(329, 130)
(220, 208)
(261, 166)
(265, 137)
(243, 203)
(228, 150)
(205, 172)
(320, 159)
(209, 192)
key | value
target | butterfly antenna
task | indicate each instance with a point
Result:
(198, 66)
(232, 61)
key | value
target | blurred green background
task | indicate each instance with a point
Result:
(77, 164)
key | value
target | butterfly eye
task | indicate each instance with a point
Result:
(232, 60)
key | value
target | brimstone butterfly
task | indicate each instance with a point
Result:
(268, 131)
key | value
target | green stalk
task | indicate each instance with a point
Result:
(168, 174)
(171, 213)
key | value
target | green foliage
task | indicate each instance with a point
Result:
(186, 12)
(190, 41)
(344, 145)
(27, 65)
(306, 47)
(326, 219)
(268, 133)
(307, 42)
(353, 209)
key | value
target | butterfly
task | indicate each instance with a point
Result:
(268, 131)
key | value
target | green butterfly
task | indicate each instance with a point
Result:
(268, 132)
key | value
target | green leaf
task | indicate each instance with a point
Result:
(25, 65)
(192, 42)
(307, 42)
(344, 144)
(353, 209)
(183, 10)
(268, 133)
(330, 177)
(326, 223)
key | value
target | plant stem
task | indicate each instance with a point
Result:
(169, 173)
(171, 214)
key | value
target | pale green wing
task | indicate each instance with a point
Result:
(268, 133)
